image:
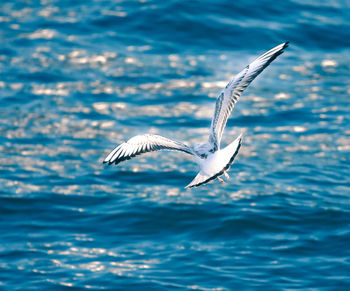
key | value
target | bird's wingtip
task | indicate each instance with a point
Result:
(242, 133)
(107, 161)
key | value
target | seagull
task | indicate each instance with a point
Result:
(213, 160)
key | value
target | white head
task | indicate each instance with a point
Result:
(203, 150)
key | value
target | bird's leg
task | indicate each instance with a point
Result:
(221, 180)
(226, 175)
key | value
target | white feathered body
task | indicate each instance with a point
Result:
(217, 161)
(215, 164)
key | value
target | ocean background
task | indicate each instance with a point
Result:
(79, 77)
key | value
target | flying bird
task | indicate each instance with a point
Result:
(213, 160)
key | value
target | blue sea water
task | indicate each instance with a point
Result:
(79, 77)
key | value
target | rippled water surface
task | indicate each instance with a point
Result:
(79, 77)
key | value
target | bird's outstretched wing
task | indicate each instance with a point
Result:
(229, 96)
(145, 143)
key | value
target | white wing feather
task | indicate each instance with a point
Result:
(142, 144)
(230, 95)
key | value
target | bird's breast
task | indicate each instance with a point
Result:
(214, 163)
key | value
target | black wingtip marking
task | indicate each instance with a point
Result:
(285, 45)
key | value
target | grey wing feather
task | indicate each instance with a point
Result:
(230, 95)
(141, 144)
